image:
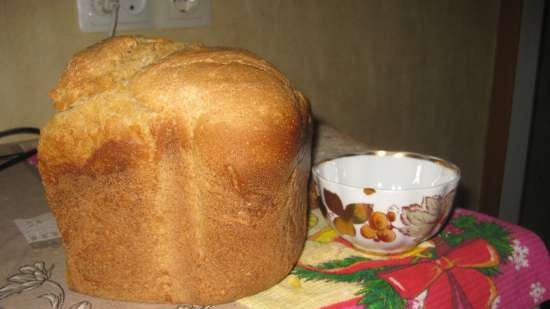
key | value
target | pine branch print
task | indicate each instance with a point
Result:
(496, 235)
(309, 274)
(378, 294)
(342, 263)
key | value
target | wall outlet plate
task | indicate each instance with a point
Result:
(168, 14)
(140, 14)
(133, 14)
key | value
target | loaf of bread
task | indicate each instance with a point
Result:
(177, 173)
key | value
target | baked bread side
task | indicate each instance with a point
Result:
(183, 180)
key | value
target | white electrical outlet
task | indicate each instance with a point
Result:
(182, 13)
(96, 16)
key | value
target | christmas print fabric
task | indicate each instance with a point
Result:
(475, 262)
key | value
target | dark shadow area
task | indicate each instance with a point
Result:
(534, 212)
(462, 198)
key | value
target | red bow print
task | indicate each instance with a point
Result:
(452, 280)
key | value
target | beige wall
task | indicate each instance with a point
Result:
(413, 75)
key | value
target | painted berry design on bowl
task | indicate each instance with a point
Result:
(358, 212)
(376, 225)
(386, 202)
(379, 227)
(355, 213)
(419, 220)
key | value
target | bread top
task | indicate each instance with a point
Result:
(222, 99)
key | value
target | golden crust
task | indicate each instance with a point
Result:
(106, 64)
(176, 173)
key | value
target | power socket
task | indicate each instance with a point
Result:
(182, 13)
(96, 15)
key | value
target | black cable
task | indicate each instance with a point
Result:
(15, 158)
(22, 130)
(11, 155)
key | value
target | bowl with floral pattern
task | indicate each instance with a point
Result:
(386, 202)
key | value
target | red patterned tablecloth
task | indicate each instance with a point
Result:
(475, 262)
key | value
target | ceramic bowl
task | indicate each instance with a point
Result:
(386, 202)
